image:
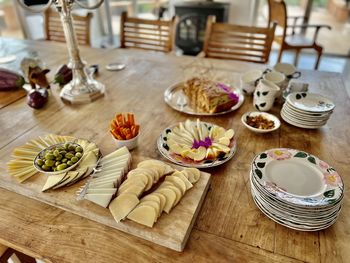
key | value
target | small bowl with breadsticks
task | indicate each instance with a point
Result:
(260, 122)
(124, 130)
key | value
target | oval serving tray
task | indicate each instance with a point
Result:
(177, 100)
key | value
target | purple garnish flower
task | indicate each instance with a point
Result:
(205, 143)
(227, 89)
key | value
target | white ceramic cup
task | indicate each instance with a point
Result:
(265, 94)
(288, 70)
(276, 77)
(248, 81)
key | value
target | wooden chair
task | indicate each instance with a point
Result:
(6, 253)
(225, 41)
(54, 29)
(156, 35)
(293, 41)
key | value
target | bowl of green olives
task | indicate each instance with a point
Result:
(59, 158)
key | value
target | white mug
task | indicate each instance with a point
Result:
(288, 70)
(275, 77)
(265, 94)
(248, 81)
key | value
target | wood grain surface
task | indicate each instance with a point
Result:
(229, 228)
(171, 231)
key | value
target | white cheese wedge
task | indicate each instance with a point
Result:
(110, 162)
(121, 206)
(170, 198)
(176, 190)
(155, 205)
(101, 191)
(108, 173)
(120, 152)
(177, 182)
(154, 199)
(71, 176)
(26, 176)
(192, 174)
(115, 177)
(53, 180)
(103, 185)
(144, 215)
(108, 180)
(21, 172)
(118, 166)
(100, 199)
(180, 175)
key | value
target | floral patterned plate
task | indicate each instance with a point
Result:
(305, 212)
(295, 218)
(310, 102)
(206, 163)
(297, 177)
(288, 223)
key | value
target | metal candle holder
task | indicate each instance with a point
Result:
(83, 88)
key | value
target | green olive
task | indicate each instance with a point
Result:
(61, 167)
(63, 152)
(49, 156)
(50, 163)
(56, 152)
(78, 154)
(69, 155)
(74, 159)
(66, 146)
(71, 147)
(59, 157)
(39, 162)
(45, 167)
(57, 163)
(69, 163)
(78, 149)
(64, 160)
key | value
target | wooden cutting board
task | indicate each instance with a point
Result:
(171, 230)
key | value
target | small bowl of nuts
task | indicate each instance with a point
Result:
(260, 122)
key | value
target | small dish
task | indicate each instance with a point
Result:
(267, 116)
(130, 144)
(55, 146)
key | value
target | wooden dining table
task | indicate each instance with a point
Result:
(229, 226)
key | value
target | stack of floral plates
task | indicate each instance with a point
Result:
(307, 110)
(296, 189)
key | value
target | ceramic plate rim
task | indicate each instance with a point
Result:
(288, 197)
(290, 99)
(165, 154)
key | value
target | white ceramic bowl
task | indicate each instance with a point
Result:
(40, 154)
(130, 144)
(268, 116)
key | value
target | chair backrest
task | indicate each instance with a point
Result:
(278, 14)
(54, 29)
(236, 42)
(157, 35)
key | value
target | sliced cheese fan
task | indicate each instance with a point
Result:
(107, 177)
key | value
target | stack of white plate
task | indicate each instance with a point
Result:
(307, 110)
(296, 189)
